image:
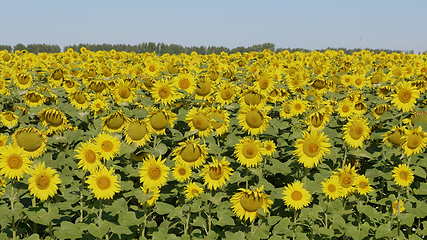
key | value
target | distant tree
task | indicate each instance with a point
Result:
(19, 47)
(6, 47)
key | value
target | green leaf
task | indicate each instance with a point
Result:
(119, 230)
(282, 227)
(164, 208)
(69, 230)
(419, 171)
(34, 236)
(128, 219)
(383, 231)
(98, 231)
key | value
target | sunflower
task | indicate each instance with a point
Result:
(397, 206)
(414, 141)
(249, 152)
(362, 185)
(345, 108)
(286, 111)
(312, 148)
(317, 120)
(153, 173)
(3, 140)
(88, 156)
(31, 140)
(347, 179)
(246, 203)
(34, 99)
(264, 82)
(198, 119)
(216, 174)
(269, 147)
(185, 82)
(137, 132)
(43, 182)
(103, 183)
(160, 119)
(331, 188)
(296, 196)
(190, 152)
(55, 120)
(123, 93)
(99, 105)
(182, 172)
(79, 99)
(107, 145)
(298, 106)
(405, 97)
(219, 120)
(204, 88)
(403, 175)
(192, 190)
(9, 119)
(115, 122)
(254, 119)
(226, 93)
(154, 195)
(252, 97)
(394, 137)
(379, 110)
(14, 162)
(2, 186)
(164, 92)
(23, 80)
(70, 85)
(356, 131)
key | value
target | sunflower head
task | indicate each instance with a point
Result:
(249, 152)
(137, 132)
(216, 173)
(192, 190)
(115, 122)
(103, 183)
(311, 148)
(14, 162)
(403, 175)
(31, 140)
(296, 196)
(191, 153)
(415, 141)
(246, 203)
(153, 173)
(43, 182)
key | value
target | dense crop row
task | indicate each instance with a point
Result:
(114, 145)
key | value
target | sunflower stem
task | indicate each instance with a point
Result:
(12, 207)
(187, 222)
(81, 206)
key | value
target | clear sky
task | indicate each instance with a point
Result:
(393, 24)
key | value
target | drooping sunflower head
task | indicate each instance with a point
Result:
(107, 145)
(23, 80)
(137, 132)
(296, 196)
(420, 119)
(182, 172)
(219, 120)
(103, 183)
(160, 119)
(311, 148)
(217, 173)
(249, 152)
(414, 141)
(403, 175)
(394, 137)
(246, 203)
(31, 140)
(356, 131)
(254, 119)
(99, 105)
(379, 110)
(192, 190)
(34, 99)
(153, 173)
(191, 153)
(43, 182)
(114, 122)
(79, 99)
(14, 162)
(317, 120)
(54, 119)
(198, 119)
(204, 88)
(362, 185)
(3, 140)
(9, 119)
(252, 97)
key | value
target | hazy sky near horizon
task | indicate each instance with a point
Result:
(391, 24)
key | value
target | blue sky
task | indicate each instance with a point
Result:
(312, 24)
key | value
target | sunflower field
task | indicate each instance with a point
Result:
(257, 145)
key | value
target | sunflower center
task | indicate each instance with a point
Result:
(8, 116)
(356, 131)
(136, 131)
(115, 122)
(311, 149)
(297, 106)
(358, 81)
(363, 185)
(332, 188)
(226, 93)
(346, 180)
(107, 146)
(404, 175)
(154, 173)
(124, 92)
(184, 83)
(250, 203)
(201, 122)
(15, 161)
(203, 88)
(345, 108)
(158, 121)
(190, 153)
(182, 171)
(42, 182)
(194, 191)
(217, 120)
(32, 97)
(252, 99)
(164, 93)
(317, 120)
(263, 83)
(395, 138)
(80, 98)
(296, 195)
(90, 156)
(29, 141)
(215, 173)
(54, 119)
(24, 79)
(254, 119)
(250, 150)
(413, 141)
(103, 182)
(405, 95)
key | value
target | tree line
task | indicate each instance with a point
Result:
(162, 48)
